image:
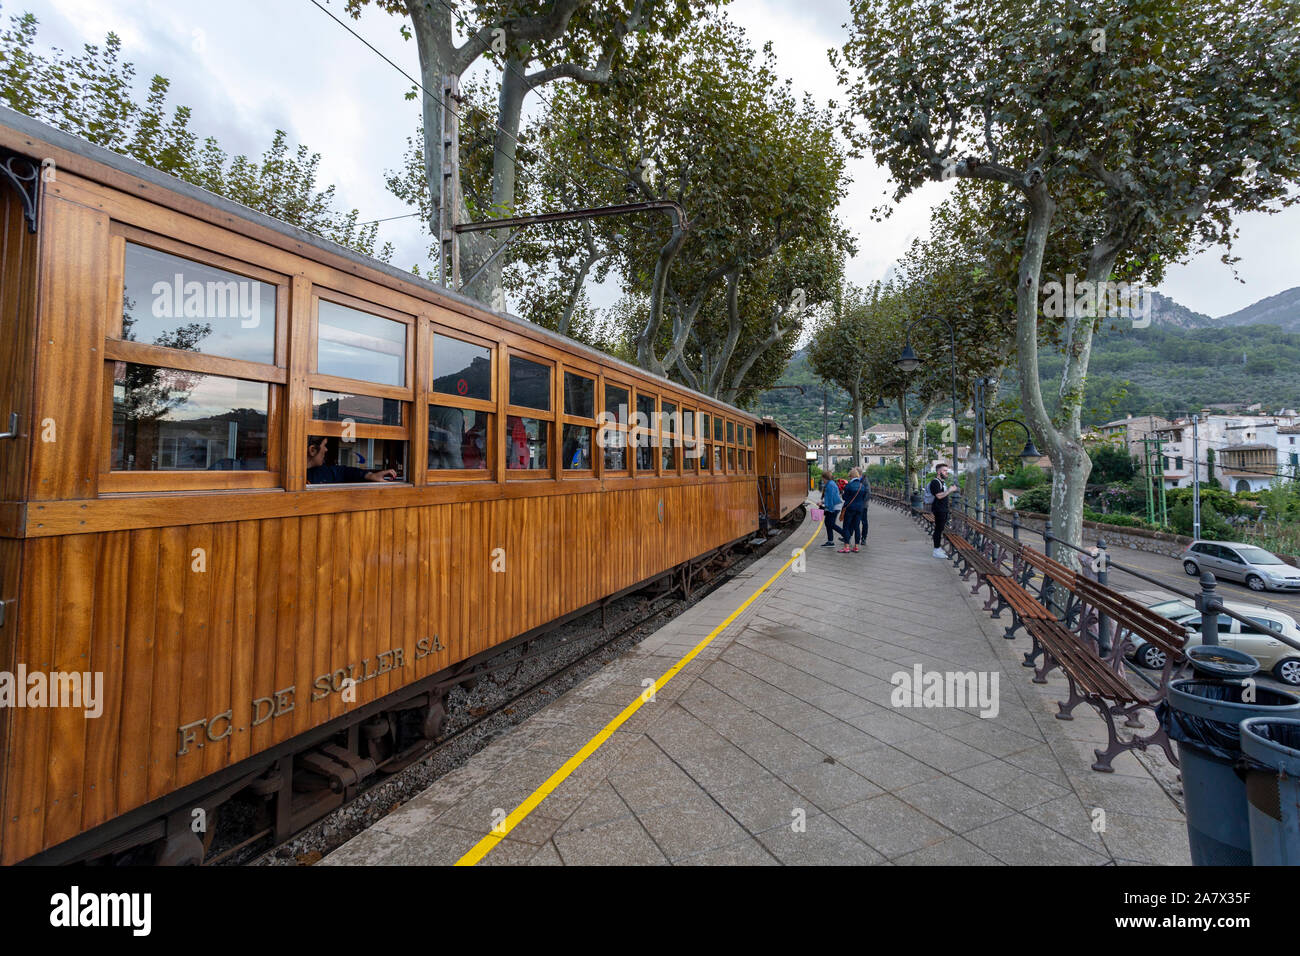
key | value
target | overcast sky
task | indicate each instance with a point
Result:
(249, 67)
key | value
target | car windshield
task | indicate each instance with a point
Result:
(1174, 610)
(1259, 556)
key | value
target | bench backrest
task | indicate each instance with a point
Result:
(1169, 636)
(1054, 570)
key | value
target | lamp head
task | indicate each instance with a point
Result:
(908, 361)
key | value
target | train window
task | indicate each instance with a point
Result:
(668, 426)
(527, 440)
(645, 453)
(717, 428)
(690, 447)
(749, 437)
(461, 368)
(579, 396)
(646, 432)
(171, 420)
(645, 409)
(731, 459)
(615, 449)
(459, 438)
(613, 435)
(178, 303)
(333, 460)
(363, 409)
(530, 384)
(731, 433)
(717, 458)
(577, 448)
(356, 344)
(616, 400)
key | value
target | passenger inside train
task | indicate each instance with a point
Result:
(319, 473)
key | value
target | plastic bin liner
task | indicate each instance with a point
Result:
(1221, 739)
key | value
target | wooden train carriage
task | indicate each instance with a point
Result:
(782, 471)
(173, 359)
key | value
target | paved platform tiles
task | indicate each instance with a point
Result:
(778, 743)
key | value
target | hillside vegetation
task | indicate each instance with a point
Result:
(1161, 370)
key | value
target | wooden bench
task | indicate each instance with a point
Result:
(1063, 621)
(971, 561)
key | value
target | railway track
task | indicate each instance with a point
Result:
(498, 694)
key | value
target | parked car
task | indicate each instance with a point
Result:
(1259, 639)
(1258, 569)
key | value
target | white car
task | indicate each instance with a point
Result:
(1258, 639)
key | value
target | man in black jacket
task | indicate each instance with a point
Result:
(939, 491)
(319, 473)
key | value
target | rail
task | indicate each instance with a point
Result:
(1206, 599)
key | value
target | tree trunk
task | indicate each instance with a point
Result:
(433, 41)
(1067, 487)
(476, 247)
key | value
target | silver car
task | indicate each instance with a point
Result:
(1258, 569)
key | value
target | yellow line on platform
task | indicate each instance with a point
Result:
(499, 832)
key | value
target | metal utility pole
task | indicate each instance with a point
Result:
(449, 196)
(1196, 476)
(826, 427)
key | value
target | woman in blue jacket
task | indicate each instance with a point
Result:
(831, 502)
(855, 511)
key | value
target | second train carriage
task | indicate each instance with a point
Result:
(782, 471)
(190, 381)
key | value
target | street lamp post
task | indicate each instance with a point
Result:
(1030, 450)
(908, 361)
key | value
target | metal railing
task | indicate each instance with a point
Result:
(1206, 600)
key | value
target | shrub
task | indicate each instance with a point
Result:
(1037, 498)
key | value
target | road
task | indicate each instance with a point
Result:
(1169, 571)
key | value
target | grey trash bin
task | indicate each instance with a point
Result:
(1202, 717)
(1272, 749)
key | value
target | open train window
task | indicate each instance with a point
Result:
(361, 394)
(577, 440)
(530, 422)
(461, 439)
(194, 369)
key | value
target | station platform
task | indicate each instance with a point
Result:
(779, 741)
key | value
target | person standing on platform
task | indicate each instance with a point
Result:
(939, 492)
(855, 503)
(832, 501)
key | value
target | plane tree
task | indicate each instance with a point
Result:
(1146, 126)
(534, 43)
(706, 121)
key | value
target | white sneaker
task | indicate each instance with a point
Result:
(939, 553)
